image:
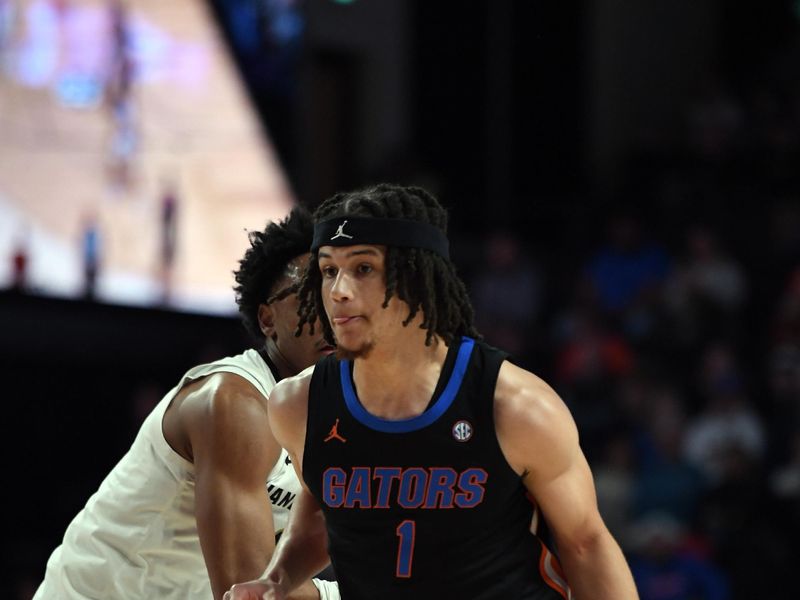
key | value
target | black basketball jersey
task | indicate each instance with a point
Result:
(425, 507)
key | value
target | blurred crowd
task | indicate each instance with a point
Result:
(674, 338)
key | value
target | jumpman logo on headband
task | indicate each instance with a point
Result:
(334, 434)
(340, 233)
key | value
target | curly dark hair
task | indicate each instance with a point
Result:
(264, 263)
(422, 279)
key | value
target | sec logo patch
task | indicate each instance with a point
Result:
(462, 431)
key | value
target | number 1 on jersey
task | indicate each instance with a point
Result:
(405, 548)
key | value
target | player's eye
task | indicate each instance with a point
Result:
(328, 272)
(364, 268)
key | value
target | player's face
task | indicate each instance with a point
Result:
(299, 352)
(353, 291)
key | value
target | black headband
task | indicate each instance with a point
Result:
(349, 231)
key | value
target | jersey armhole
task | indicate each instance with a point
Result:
(320, 379)
(493, 361)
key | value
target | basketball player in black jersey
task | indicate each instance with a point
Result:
(428, 459)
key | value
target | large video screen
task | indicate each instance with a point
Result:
(131, 161)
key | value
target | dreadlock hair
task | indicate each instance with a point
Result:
(421, 278)
(264, 263)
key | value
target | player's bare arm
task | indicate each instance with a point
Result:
(540, 441)
(288, 411)
(302, 550)
(222, 422)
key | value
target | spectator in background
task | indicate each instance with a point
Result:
(727, 441)
(669, 484)
(632, 398)
(20, 261)
(711, 274)
(715, 121)
(590, 360)
(663, 568)
(91, 253)
(119, 96)
(591, 352)
(169, 235)
(706, 291)
(614, 479)
(507, 294)
(625, 276)
(740, 517)
(727, 420)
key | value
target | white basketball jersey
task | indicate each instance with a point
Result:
(136, 538)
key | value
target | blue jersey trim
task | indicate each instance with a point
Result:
(414, 423)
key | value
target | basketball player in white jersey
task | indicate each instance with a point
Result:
(196, 503)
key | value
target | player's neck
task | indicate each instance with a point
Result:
(397, 380)
(276, 361)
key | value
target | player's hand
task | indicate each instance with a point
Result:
(254, 590)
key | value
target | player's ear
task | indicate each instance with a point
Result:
(266, 320)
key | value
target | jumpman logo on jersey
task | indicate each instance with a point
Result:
(334, 433)
(340, 233)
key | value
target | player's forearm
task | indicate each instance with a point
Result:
(297, 559)
(597, 569)
(237, 541)
(302, 551)
(238, 567)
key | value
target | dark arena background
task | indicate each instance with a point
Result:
(624, 187)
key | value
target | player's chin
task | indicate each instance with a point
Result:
(347, 352)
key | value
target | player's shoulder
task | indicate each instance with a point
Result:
(292, 390)
(533, 424)
(525, 398)
(220, 396)
(288, 410)
(218, 406)
(224, 387)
